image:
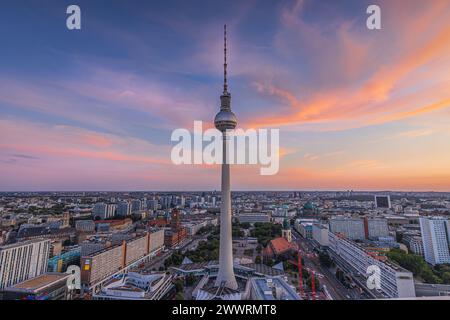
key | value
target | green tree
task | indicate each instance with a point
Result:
(325, 259)
(190, 280)
(179, 287)
(245, 225)
(179, 296)
(416, 264)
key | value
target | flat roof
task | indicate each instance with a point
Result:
(22, 243)
(39, 282)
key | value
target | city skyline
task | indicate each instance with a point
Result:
(93, 109)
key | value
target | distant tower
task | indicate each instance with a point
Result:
(175, 219)
(225, 120)
(286, 232)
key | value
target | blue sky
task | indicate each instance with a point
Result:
(94, 108)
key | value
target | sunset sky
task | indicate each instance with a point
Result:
(94, 109)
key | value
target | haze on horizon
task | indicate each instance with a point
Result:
(94, 109)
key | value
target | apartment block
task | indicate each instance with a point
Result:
(396, 282)
(22, 261)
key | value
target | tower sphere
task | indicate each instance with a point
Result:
(224, 120)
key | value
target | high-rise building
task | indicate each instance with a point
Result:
(166, 202)
(22, 261)
(414, 243)
(104, 211)
(395, 281)
(382, 201)
(320, 234)
(352, 228)
(123, 209)
(152, 204)
(136, 205)
(224, 121)
(436, 239)
(101, 264)
(176, 234)
(375, 228)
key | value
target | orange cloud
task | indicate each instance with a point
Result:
(374, 96)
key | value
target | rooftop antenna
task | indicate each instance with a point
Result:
(225, 85)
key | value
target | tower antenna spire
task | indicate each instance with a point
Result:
(225, 84)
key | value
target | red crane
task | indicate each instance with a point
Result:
(300, 275)
(313, 284)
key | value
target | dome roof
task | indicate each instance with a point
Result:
(309, 206)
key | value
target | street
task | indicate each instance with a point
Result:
(334, 287)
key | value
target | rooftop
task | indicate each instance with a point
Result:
(280, 245)
(40, 282)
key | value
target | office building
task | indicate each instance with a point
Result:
(414, 243)
(320, 234)
(152, 205)
(60, 262)
(136, 205)
(383, 201)
(123, 209)
(352, 228)
(137, 286)
(103, 211)
(435, 239)
(375, 228)
(271, 288)
(99, 265)
(396, 282)
(48, 286)
(177, 233)
(85, 226)
(22, 261)
(304, 227)
(253, 217)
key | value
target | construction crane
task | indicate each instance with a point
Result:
(300, 275)
(313, 284)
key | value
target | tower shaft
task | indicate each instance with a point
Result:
(226, 275)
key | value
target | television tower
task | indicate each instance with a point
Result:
(225, 120)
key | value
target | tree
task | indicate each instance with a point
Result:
(245, 225)
(179, 296)
(190, 280)
(325, 259)
(446, 277)
(270, 262)
(416, 264)
(179, 286)
(237, 232)
(258, 259)
(266, 231)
